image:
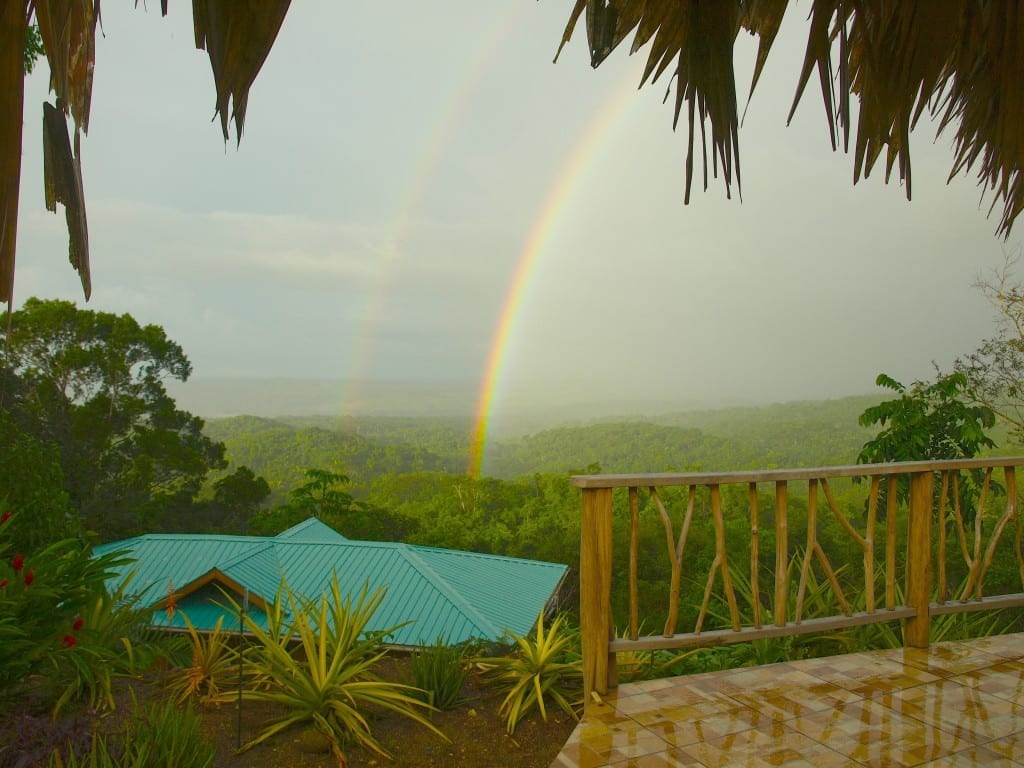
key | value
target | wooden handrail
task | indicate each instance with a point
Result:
(919, 529)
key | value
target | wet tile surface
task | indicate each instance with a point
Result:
(954, 704)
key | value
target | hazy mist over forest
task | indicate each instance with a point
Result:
(443, 399)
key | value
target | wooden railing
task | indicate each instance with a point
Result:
(927, 488)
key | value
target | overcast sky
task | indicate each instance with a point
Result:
(398, 158)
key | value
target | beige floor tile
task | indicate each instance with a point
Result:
(867, 674)
(1005, 680)
(945, 660)
(955, 704)
(1010, 745)
(673, 758)
(969, 757)
(774, 745)
(873, 732)
(1007, 646)
(963, 710)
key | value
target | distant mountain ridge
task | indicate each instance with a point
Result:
(284, 397)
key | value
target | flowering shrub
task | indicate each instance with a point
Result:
(44, 595)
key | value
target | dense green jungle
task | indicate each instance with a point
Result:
(406, 480)
(95, 447)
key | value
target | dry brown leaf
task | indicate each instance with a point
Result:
(68, 30)
(237, 36)
(13, 17)
(62, 176)
(960, 60)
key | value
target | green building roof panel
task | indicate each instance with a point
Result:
(435, 593)
(509, 592)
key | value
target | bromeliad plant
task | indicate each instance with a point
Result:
(214, 662)
(316, 660)
(540, 668)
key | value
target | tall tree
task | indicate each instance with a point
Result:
(33, 489)
(995, 370)
(239, 495)
(322, 496)
(91, 383)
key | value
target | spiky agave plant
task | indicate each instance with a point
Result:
(537, 670)
(321, 670)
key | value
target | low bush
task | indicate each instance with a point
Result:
(159, 735)
(440, 670)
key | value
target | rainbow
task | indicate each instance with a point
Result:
(428, 158)
(566, 182)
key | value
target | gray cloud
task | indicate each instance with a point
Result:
(387, 187)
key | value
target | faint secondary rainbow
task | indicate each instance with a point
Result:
(428, 158)
(568, 179)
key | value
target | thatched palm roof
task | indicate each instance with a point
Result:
(959, 61)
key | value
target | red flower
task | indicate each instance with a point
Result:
(68, 641)
(18, 562)
(79, 623)
(3, 583)
(5, 517)
(29, 577)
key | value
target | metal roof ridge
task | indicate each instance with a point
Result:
(188, 536)
(488, 555)
(453, 595)
(255, 548)
(299, 527)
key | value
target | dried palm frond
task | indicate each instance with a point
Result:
(12, 95)
(237, 35)
(961, 61)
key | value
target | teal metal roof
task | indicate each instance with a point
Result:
(444, 593)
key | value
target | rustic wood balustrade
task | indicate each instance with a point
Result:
(922, 535)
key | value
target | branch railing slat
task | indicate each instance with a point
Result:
(891, 499)
(918, 511)
(755, 551)
(781, 552)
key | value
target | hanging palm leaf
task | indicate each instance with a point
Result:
(961, 61)
(13, 24)
(237, 35)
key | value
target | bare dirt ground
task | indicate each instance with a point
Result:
(476, 733)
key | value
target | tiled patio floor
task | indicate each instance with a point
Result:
(955, 704)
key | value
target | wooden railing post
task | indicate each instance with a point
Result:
(919, 560)
(599, 673)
